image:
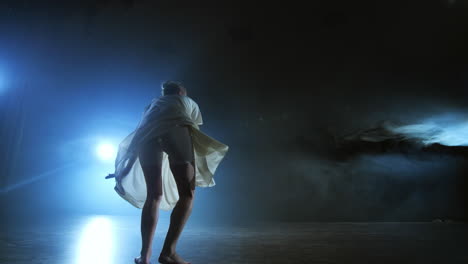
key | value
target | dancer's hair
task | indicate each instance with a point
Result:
(172, 87)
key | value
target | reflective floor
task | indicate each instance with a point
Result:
(116, 240)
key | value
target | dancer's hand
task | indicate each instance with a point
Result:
(111, 175)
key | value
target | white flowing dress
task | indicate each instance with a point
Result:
(163, 114)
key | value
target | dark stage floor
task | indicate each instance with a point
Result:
(115, 240)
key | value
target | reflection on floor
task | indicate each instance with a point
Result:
(116, 240)
(96, 242)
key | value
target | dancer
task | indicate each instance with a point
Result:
(161, 162)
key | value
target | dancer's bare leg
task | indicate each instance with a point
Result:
(150, 212)
(184, 175)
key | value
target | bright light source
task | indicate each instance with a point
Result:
(106, 151)
(96, 242)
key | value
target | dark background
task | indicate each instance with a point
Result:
(277, 82)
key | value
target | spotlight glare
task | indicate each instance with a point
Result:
(106, 151)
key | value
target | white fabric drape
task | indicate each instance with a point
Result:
(161, 115)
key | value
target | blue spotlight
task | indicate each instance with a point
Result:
(106, 152)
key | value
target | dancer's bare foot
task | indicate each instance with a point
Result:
(171, 259)
(140, 260)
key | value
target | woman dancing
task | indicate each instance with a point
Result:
(161, 162)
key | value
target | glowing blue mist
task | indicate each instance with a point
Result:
(446, 129)
(2, 84)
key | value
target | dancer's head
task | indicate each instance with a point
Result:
(173, 87)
